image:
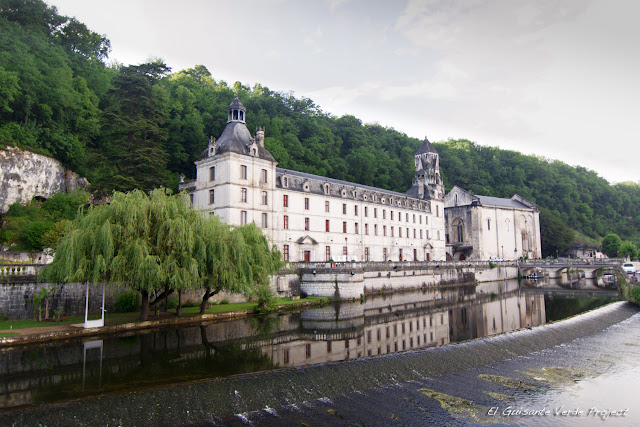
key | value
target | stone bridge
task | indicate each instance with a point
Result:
(571, 273)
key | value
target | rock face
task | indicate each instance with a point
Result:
(24, 174)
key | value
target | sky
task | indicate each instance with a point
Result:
(557, 79)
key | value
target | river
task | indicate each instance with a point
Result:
(297, 366)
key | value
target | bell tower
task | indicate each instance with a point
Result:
(428, 179)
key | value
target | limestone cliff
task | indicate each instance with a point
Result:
(24, 174)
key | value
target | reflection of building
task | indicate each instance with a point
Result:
(482, 227)
(314, 218)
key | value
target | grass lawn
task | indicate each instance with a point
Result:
(119, 318)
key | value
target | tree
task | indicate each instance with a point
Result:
(134, 129)
(628, 249)
(611, 245)
(157, 244)
(555, 236)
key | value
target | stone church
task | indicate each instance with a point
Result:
(313, 218)
(483, 227)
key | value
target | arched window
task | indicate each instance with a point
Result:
(458, 231)
(455, 199)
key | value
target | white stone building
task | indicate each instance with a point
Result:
(482, 227)
(313, 218)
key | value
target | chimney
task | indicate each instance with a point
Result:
(260, 136)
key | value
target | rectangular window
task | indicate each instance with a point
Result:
(356, 228)
(421, 233)
(407, 232)
(384, 214)
(212, 173)
(399, 231)
(286, 222)
(437, 210)
(326, 206)
(212, 198)
(426, 220)
(264, 221)
(344, 252)
(326, 225)
(420, 218)
(264, 197)
(344, 226)
(391, 215)
(285, 253)
(415, 254)
(375, 229)
(384, 254)
(375, 212)
(327, 253)
(285, 200)
(392, 231)
(306, 203)
(243, 195)
(243, 217)
(400, 259)
(366, 229)
(366, 211)
(384, 230)
(263, 175)
(243, 172)
(306, 224)
(414, 233)
(366, 255)
(438, 234)
(355, 210)
(344, 208)
(427, 231)
(407, 218)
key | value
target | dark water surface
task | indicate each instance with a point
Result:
(381, 326)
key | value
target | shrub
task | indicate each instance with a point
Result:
(634, 295)
(224, 301)
(128, 302)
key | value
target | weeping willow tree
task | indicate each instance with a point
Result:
(156, 244)
(238, 262)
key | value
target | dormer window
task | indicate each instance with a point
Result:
(364, 196)
(285, 181)
(326, 189)
(355, 194)
(305, 186)
(343, 193)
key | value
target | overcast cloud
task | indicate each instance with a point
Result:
(555, 79)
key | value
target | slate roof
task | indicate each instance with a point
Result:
(498, 201)
(236, 138)
(339, 182)
(426, 147)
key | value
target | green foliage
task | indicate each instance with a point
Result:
(38, 299)
(137, 126)
(628, 250)
(35, 225)
(128, 302)
(611, 245)
(634, 295)
(555, 236)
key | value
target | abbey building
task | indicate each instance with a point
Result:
(314, 218)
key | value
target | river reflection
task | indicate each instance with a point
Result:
(382, 324)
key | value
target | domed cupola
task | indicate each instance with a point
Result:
(236, 111)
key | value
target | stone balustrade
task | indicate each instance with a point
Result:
(19, 269)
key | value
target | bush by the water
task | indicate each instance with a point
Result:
(128, 302)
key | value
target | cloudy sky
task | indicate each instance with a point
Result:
(558, 79)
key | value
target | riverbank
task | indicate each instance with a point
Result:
(25, 332)
(401, 388)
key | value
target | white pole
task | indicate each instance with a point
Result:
(103, 304)
(86, 305)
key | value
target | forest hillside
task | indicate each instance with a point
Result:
(141, 126)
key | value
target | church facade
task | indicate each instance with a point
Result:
(483, 227)
(313, 218)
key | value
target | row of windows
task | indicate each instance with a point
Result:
(307, 204)
(243, 219)
(356, 229)
(354, 193)
(345, 253)
(243, 173)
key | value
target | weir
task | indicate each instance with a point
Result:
(221, 400)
